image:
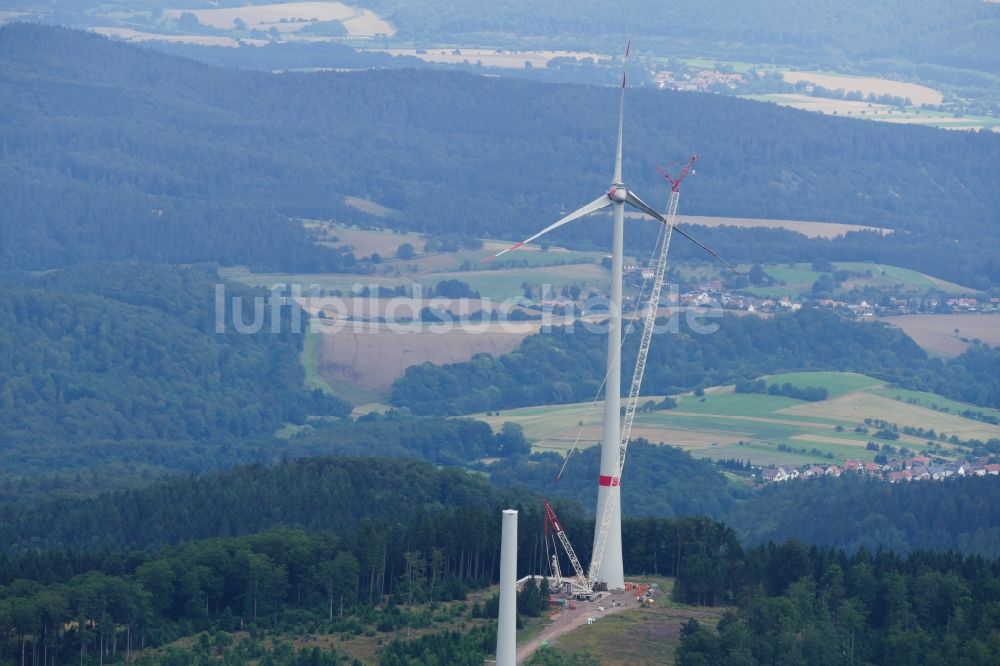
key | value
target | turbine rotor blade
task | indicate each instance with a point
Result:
(705, 248)
(636, 202)
(621, 118)
(600, 202)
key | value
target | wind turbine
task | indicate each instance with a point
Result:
(611, 566)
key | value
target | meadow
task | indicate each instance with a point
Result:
(798, 278)
(765, 429)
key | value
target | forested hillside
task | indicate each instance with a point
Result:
(810, 31)
(849, 513)
(662, 481)
(382, 538)
(111, 365)
(814, 606)
(386, 577)
(567, 365)
(339, 494)
(116, 152)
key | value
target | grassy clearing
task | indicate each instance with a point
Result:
(311, 347)
(643, 636)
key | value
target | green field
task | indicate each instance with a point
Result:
(836, 383)
(500, 285)
(766, 429)
(797, 279)
(497, 279)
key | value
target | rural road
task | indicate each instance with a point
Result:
(567, 620)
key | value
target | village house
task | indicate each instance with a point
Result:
(772, 475)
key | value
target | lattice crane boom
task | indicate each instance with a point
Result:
(552, 520)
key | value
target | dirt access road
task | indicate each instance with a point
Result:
(567, 620)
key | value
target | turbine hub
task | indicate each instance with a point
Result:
(618, 193)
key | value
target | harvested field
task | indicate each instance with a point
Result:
(810, 229)
(490, 57)
(879, 112)
(860, 405)
(368, 24)
(936, 332)
(374, 359)
(918, 94)
(129, 35)
(292, 17)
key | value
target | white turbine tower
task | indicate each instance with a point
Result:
(611, 566)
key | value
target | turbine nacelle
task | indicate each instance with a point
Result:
(618, 193)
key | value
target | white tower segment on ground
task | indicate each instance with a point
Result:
(611, 569)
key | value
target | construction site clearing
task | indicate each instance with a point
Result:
(569, 609)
